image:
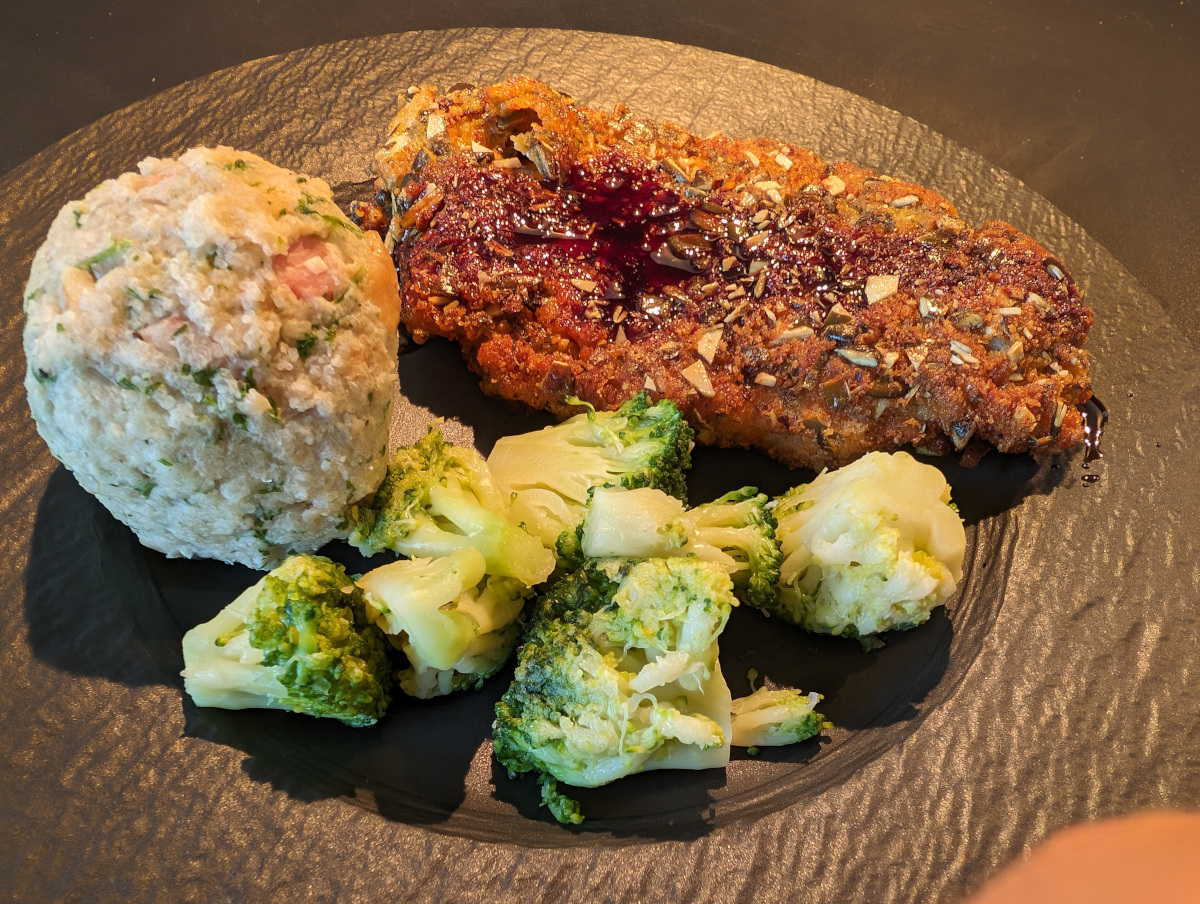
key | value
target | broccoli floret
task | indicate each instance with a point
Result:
(564, 809)
(874, 546)
(618, 674)
(456, 624)
(736, 532)
(437, 498)
(298, 640)
(550, 472)
(772, 718)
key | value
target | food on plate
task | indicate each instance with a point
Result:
(816, 311)
(874, 546)
(298, 640)
(456, 624)
(437, 498)
(618, 673)
(550, 473)
(735, 532)
(775, 717)
(211, 350)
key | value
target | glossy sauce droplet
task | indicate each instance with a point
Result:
(1095, 418)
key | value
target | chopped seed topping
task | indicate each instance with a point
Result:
(584, 285)
(1016, 351)
(880, 287)
(753, 241)
(799, 332)
(760, 286)
(756, 266)
(770, 314)
(621, 338)
(767, 185)
(906, 201)
(862, 359)
(706, 348)
(507, 163)
(727, 263)
(889, 359)
(925, 306)
(752, 157)
(650, 385)
(1008, 312)
(764, 379)
(916, 356)
(698, 377)
(784, 161)
(833, 185)
(736, 312)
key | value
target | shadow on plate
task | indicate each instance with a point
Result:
(434, 376)
(90, 603)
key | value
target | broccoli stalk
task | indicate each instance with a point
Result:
(438, 498)
(550, 472)
(735, 532)
(456, 624)
(772, 718)
(297, 640)
(618, 674)
(871, 547)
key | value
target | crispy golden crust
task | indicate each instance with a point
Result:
(815, 311)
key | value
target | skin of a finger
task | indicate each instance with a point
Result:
(1149, 858)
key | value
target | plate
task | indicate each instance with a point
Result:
(1055, 687)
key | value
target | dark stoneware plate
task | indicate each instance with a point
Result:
(1052, 689)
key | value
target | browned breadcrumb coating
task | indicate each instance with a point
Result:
(816, 311)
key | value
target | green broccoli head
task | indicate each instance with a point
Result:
(772, 718)
(736, 532)
(618, 673)
(740, 527)
(437, 498)
(298, 640)
(456, 624)
(550, 472)
(874, 546)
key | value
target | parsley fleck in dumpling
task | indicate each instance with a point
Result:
(211, 349)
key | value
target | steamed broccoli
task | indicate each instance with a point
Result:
(874, 546)
(456, 624)
(736, 532)
(297, 640)
(772, 718)
(550, 472)
(617, 674)
(437, 498)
